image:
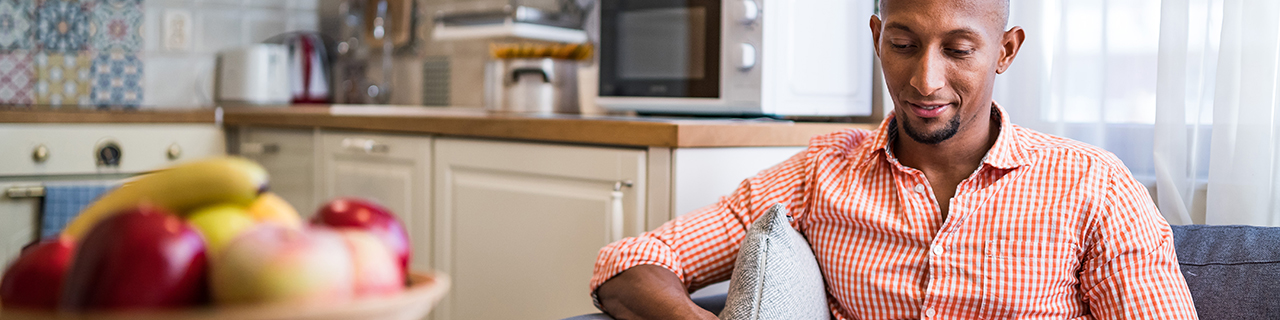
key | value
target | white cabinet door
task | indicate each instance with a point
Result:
(519, 225)
(289, 155)
(393, 170)
(18, 223)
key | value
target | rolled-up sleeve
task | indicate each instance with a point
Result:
(1132, 269)
(700, 247)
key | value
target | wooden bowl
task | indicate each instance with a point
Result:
(424, 291)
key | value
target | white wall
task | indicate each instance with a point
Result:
(184, 78)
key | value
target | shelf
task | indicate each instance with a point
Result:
(518, 30)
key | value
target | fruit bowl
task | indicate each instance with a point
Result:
(424, 291)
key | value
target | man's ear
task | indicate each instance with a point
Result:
(875, 33)
(1009, 47)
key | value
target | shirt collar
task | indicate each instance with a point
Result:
(1007, 153)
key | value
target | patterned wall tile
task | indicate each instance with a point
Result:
(116, 25)
(17, 78)
(63, 79)
(62, 26)
(16, 20)
(117, 79)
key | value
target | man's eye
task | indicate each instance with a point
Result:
(960, 52)
(899, 46)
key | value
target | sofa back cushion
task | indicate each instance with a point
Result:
(1233, 272)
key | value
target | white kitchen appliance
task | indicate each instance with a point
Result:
(254, 74)
(736, 57)
(36, 156)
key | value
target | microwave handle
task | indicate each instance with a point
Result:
(515, 74)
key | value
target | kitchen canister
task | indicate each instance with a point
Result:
(531, 85)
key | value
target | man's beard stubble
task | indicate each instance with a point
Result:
(935, 137)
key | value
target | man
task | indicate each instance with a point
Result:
(946, 211)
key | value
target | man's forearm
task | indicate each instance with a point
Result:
(648, 292)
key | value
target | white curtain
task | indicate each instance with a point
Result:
(1221, 95)
(1185, 92)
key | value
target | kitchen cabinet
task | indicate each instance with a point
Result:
(393, 170)
(289, 155)
(518, 225)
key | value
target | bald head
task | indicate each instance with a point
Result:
(999, 9)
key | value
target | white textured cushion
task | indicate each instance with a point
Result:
(776, 275)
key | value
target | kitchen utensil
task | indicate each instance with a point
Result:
(424, 291)
(308, 66)
(254, 74)
(540, 85)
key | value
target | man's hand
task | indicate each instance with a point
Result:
(648, 292)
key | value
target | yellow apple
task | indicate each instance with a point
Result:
(272, 264)
(219, 224)
(270, 207)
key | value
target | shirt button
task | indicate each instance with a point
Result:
(937, 250)
(919, 188)
(930, 313)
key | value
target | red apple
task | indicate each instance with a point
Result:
(366, 215)
(377, 271)
(35, 280)
(145, 257)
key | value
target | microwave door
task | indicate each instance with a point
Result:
(660, 48)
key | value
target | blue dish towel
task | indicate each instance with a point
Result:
(64, 200)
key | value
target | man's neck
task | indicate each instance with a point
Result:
(958, 156)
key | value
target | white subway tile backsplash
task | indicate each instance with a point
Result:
(303, 21)
(261, 26)
(185, 78)
(179, 81)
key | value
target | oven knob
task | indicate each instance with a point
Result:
(174, 151)
(40, 154)
(109, 154)
(750, 11)
(748, 57)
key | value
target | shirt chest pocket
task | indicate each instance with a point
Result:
(1030, 279)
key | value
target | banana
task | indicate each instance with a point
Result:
(180, 189)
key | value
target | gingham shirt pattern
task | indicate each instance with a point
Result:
(1046, 228)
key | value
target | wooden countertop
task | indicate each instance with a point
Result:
(604, 130)
(75, 114)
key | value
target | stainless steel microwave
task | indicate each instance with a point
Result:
(736, 57)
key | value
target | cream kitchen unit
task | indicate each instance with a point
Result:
(514, 209)
(45, 151)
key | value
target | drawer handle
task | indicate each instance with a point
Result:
(24, 192)
(368, 146)
(258, 148)
(616, 213)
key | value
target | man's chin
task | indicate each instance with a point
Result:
(931, 130)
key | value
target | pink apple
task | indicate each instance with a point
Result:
(34, 281)
(145, 257)
(377, 271)
(271, 263)
(367, 215)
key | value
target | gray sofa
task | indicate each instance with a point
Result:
(1233, 272)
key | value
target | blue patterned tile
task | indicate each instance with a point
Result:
(16, 17)
(117, 79)
(116, 25)
(62, 26)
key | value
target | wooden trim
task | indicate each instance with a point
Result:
(44, 115)
(617, 131)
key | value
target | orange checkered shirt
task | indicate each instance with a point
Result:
(1045, 228)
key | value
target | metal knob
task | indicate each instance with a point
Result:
(40, 154)
(174, 151)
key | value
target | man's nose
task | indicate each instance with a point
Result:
(930, 73)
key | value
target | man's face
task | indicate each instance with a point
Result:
(939, 60)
